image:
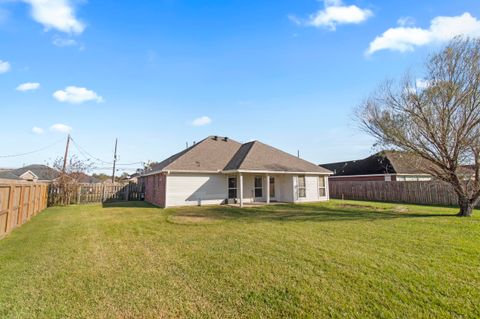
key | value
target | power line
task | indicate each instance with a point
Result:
(32, 152)
(85, 153)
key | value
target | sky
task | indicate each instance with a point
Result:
(162, 73)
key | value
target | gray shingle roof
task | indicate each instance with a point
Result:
(43, 172)
(8, 175)
(222, 154)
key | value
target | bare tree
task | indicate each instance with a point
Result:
(438, 121)
(67, 183)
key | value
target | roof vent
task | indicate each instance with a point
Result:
(225, 139)
(215, 138)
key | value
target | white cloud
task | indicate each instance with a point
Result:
(335, 13)
(201, 121)
(442, 29)
(4, 66)
(77, 95)
(37, 130)
(406, 22)
(29, 86)
(56, 14)
(60, 128)
(64, 42)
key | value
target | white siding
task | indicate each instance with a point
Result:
(283, 188)
(212, 189)
(285, 184)
(196, 189)
(312, 189)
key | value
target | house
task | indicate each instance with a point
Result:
(133, 178)
(83, 178)
(6, 174)
(34, 173)
(383, 166)
(219, 170)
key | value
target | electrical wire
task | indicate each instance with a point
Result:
(85, 153)
(32, 152)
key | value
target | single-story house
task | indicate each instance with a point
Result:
(219, 170)
(387, 166)
(33, 173)
(83, 178)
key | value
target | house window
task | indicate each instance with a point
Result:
(322, 189)
(302, 191)
(258, 186)
(232, 187)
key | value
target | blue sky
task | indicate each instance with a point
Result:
(157, 74)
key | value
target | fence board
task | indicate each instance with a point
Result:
(19, 201)
(422, 192)
(93, 193)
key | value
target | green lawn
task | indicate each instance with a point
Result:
(350, 259)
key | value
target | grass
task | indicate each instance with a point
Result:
(336, 259)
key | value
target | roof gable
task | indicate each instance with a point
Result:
(216, 154)
(210, 154)
(43, 172)
(257, 156)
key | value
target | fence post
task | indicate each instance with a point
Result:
(127, 192)
(79, 194)
(11, 198)
(30, 198)
(103, 193)
(20, 207)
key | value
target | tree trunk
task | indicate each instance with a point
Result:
(466, 208)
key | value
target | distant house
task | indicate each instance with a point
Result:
(6, 174)
(383, 166)
(220, 170)
(35, 173)
(133, 178)
(86, 179)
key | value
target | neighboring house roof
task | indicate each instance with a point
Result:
(385, 162)
(223, 154)
(86, 179)
(8, 175)
(43, 172)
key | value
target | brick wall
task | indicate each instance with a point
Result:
(155, 189)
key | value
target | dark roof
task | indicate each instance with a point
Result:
(43, 172)
(86, 179)
(223, 154)
(8, 175)
(385, 162)
(258, 156)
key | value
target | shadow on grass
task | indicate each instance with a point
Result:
(305, 212)
(126, 204)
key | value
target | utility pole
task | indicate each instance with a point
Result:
(66, 155)
(114, 161)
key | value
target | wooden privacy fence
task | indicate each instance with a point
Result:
(19, 201)
(59, 195)
(426, 193)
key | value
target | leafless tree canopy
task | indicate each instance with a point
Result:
(439, 121)
(68, 181)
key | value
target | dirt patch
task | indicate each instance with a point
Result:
(400, 209)
(355, 206)
(192, 220)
